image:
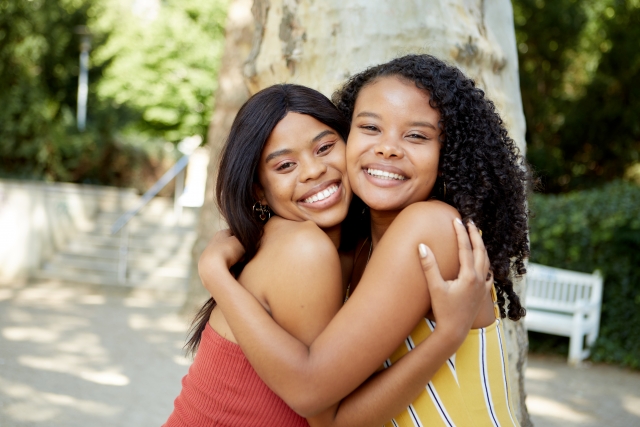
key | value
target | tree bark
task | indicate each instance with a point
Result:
(321, 43)
(231, 94)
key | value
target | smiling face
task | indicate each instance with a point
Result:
(393, 147)
(302, 172)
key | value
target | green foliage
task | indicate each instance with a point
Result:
(165, 67)
(38, 70)
(150, 81)
(578, 66)
(597, 229)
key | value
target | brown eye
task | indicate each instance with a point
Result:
(325, 148)
(285, 165)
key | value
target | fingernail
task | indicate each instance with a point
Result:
(459, 221)
(471, 222)
(422, 248)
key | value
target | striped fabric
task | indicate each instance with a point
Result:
(471, 389)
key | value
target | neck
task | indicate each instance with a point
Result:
(334, 234)
(380, 222)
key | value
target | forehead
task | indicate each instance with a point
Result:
(394, 96)
(295, 132)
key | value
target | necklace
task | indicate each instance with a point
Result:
(356, 259)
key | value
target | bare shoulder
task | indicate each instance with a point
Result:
(296, 272)
(291, 255)
(432, 208)
(296, 241)
(431, 223)
(430, 216)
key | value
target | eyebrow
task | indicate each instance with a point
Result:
(368, 114)
(322, 135)
(423, 124)
(284, 151)
(277, 153)
(377, 116)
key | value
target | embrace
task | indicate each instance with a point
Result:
(348, 291)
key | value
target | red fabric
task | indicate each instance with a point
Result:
(222, 389)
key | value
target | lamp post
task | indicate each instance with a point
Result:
(83, 76)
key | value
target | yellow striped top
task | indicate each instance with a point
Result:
(470, 389)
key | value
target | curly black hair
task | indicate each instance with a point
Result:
(486, 178)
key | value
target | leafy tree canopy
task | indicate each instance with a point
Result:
(151, 80)
(579, 61)
(164, 66)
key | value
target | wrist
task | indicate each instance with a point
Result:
(450, 339)
(209, 268)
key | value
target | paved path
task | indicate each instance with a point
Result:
(77, 356)
(589, 395)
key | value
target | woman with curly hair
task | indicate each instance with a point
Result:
(286, 150)
(425, 146)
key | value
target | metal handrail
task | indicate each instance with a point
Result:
(176, 170)
(151, 193)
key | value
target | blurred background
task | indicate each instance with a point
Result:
(110, 94)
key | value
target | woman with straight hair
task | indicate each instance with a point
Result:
(425, 146)
(283, 189)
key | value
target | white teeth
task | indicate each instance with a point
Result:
(385, 175)
(322, 194)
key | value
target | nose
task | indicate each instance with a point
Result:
(388, 147)
(311, 169)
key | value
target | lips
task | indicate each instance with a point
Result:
(321, 195)
(382, 174)
(321, 192)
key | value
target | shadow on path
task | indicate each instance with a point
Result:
(78, 355)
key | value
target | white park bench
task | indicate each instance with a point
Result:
(565, 303)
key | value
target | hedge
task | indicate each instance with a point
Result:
(597, 229)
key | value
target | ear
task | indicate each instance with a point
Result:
(258, 194)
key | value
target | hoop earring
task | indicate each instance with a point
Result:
(444, 189)
(263, 211)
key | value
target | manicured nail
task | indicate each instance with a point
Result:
(471, 222)
(422, 248)
(459, 221)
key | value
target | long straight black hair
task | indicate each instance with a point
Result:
(238, 172)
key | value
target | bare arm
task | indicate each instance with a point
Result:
(388, 393)
(383, 310)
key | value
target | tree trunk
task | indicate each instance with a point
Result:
(231, 94)
(321, 43)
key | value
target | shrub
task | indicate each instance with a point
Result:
(597, 229)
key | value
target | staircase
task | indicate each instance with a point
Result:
(158, 256)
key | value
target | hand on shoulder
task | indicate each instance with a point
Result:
(430, 223)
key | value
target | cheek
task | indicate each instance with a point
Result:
(274, 192)
(351, 155)
(429, 163)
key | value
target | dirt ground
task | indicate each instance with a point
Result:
(74, 356)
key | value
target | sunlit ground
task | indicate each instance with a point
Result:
(75, 356)
(72, 355)
(589, 395)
